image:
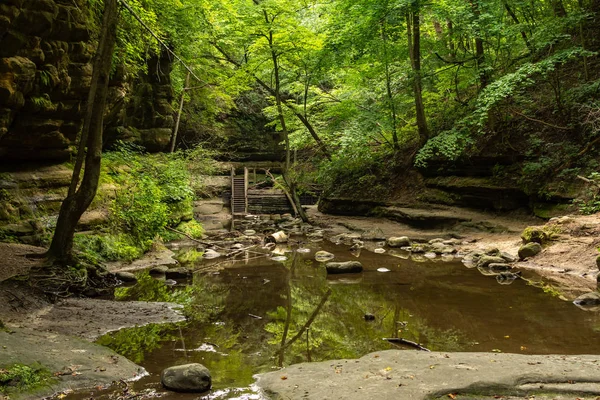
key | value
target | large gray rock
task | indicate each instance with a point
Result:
(348, 267)
(399, 241)
(529, 250)
(419, 375)
(186, 378)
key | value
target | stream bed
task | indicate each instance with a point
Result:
(239, 314)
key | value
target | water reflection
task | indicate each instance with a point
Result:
(257, 315)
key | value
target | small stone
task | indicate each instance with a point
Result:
(448, 250)
(369, 317)
(279, 237)
(398, 241)
(506, 278)
(588, 299)
(436, 240)
(210, 254)
(159, 270)
(186, 378)
(348, 267)
(499, 267)
(379, 251)
(323, 256)
(178, 273)
(529, 250)
(249, 232)
(508, 257)
(492, 251)
(487, 260)
(126, 276)
(430, 255)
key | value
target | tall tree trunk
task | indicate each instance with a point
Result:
(388, 85)
(77, 202)
(178, 120)
(277, 91)
(414, 45)
(558, 8)
(515, 19)
(479, 48)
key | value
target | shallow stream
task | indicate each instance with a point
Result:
(241, 314)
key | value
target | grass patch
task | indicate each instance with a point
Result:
(18, 378)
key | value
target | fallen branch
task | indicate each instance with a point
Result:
(287, 193)
(196, 240)
(564, 128)
(591, 182)
(406, 343)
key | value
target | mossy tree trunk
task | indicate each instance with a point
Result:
(79, 200)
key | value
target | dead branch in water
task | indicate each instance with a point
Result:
(406, 343)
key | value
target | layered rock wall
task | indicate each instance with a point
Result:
(46, 49)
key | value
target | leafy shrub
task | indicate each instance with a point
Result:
(150, 192)
(590, 203)
(191, 228)
(20, 377)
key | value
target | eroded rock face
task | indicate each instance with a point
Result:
(186, 378)
(46, 55)
(45, 73)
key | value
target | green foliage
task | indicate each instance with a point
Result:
(150, 192)
(138, 211)
(108, 247)
(590, 203)
(191, 228)
(23, 378)
(190, 256)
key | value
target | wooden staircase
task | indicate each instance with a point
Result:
(239, 204)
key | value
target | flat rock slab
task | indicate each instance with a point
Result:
(148, 260)
(396, 374)
(80, 364)
(91, 318)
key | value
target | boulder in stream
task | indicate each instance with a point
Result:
(323, 256)
(399, 241)
(279, 237)
(484, 261)
(347, 267)
(210, 254)
(529, 250)
(179, 273)
(186, 378)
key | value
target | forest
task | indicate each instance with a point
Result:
(228, 188)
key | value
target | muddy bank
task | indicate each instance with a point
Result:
(415, 375)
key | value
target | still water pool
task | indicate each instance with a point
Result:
(255, 316)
